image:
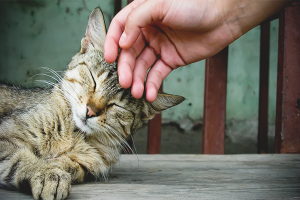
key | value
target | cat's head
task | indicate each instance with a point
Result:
(98, 103)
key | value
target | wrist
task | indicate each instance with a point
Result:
(242, 15)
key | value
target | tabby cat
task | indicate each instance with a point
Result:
(51, 138)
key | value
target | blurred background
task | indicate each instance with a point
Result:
(47, 33)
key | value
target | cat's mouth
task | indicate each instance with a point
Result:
(83, 121)
(82, 124)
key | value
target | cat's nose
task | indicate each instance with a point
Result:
(89, 112)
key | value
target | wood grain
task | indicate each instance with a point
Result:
(214, 111)
(163, 177)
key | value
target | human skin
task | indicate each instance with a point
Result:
(166, 34)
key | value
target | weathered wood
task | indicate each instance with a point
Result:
(287, 126)
(118, 5)
(262, 136)
(163, 177)
(154, 133)
(214, 111)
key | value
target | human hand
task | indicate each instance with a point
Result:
(167, 34)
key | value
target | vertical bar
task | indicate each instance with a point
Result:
(262, 137)
(129, 1)
(278, 118)
(215, 103)
(287, 128)
(154, 134)
(118, 5)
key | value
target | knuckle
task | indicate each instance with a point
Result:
(133, 52)
(158, 74)
(144, 63)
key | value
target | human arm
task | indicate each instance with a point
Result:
(167, 34)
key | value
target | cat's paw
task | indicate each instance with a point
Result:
(51, 184)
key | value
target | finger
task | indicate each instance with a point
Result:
(127, 60)
(115, 30)
(156, 75)
(111, 46)
(144, 14)
(145, 60)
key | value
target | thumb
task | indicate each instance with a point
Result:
(144, 14)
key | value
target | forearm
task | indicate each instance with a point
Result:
(243, 15)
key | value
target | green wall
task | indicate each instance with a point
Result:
(37, 34)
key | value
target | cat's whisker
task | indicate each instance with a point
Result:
(136, 154)
(43, 74)
(122, 139)
(47, 82)
(133, 144)
(120, 144)
(108, 137)
(66, 92)
(116, 134)
(56, 86)
(51, 84)
(58, 79)
(49, 77)
(53, 72)
(69, 87)
(29, 80)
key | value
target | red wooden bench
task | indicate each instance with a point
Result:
(287, 126)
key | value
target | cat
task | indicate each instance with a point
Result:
(53, 137)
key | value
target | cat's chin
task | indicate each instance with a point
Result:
(82, 124)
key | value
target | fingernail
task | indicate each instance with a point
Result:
(151, 95)
(120, 82)
(123, 38)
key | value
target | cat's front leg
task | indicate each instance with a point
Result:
(21, 168)
(50, 182)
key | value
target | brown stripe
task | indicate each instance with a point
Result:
(12, 171)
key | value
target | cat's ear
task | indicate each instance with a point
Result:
(95, 32)
(163, 101)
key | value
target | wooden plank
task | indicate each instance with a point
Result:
(118, 6)
(215, 103)
(262, 137)
(287, 129)
(154, 133)
(191, 177)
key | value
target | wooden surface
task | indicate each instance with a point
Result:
(163, 177)
(154, 133)
(287, 126)
(214, 112)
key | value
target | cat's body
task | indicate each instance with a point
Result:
(50, 138)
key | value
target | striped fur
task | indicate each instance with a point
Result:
(48, 137)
